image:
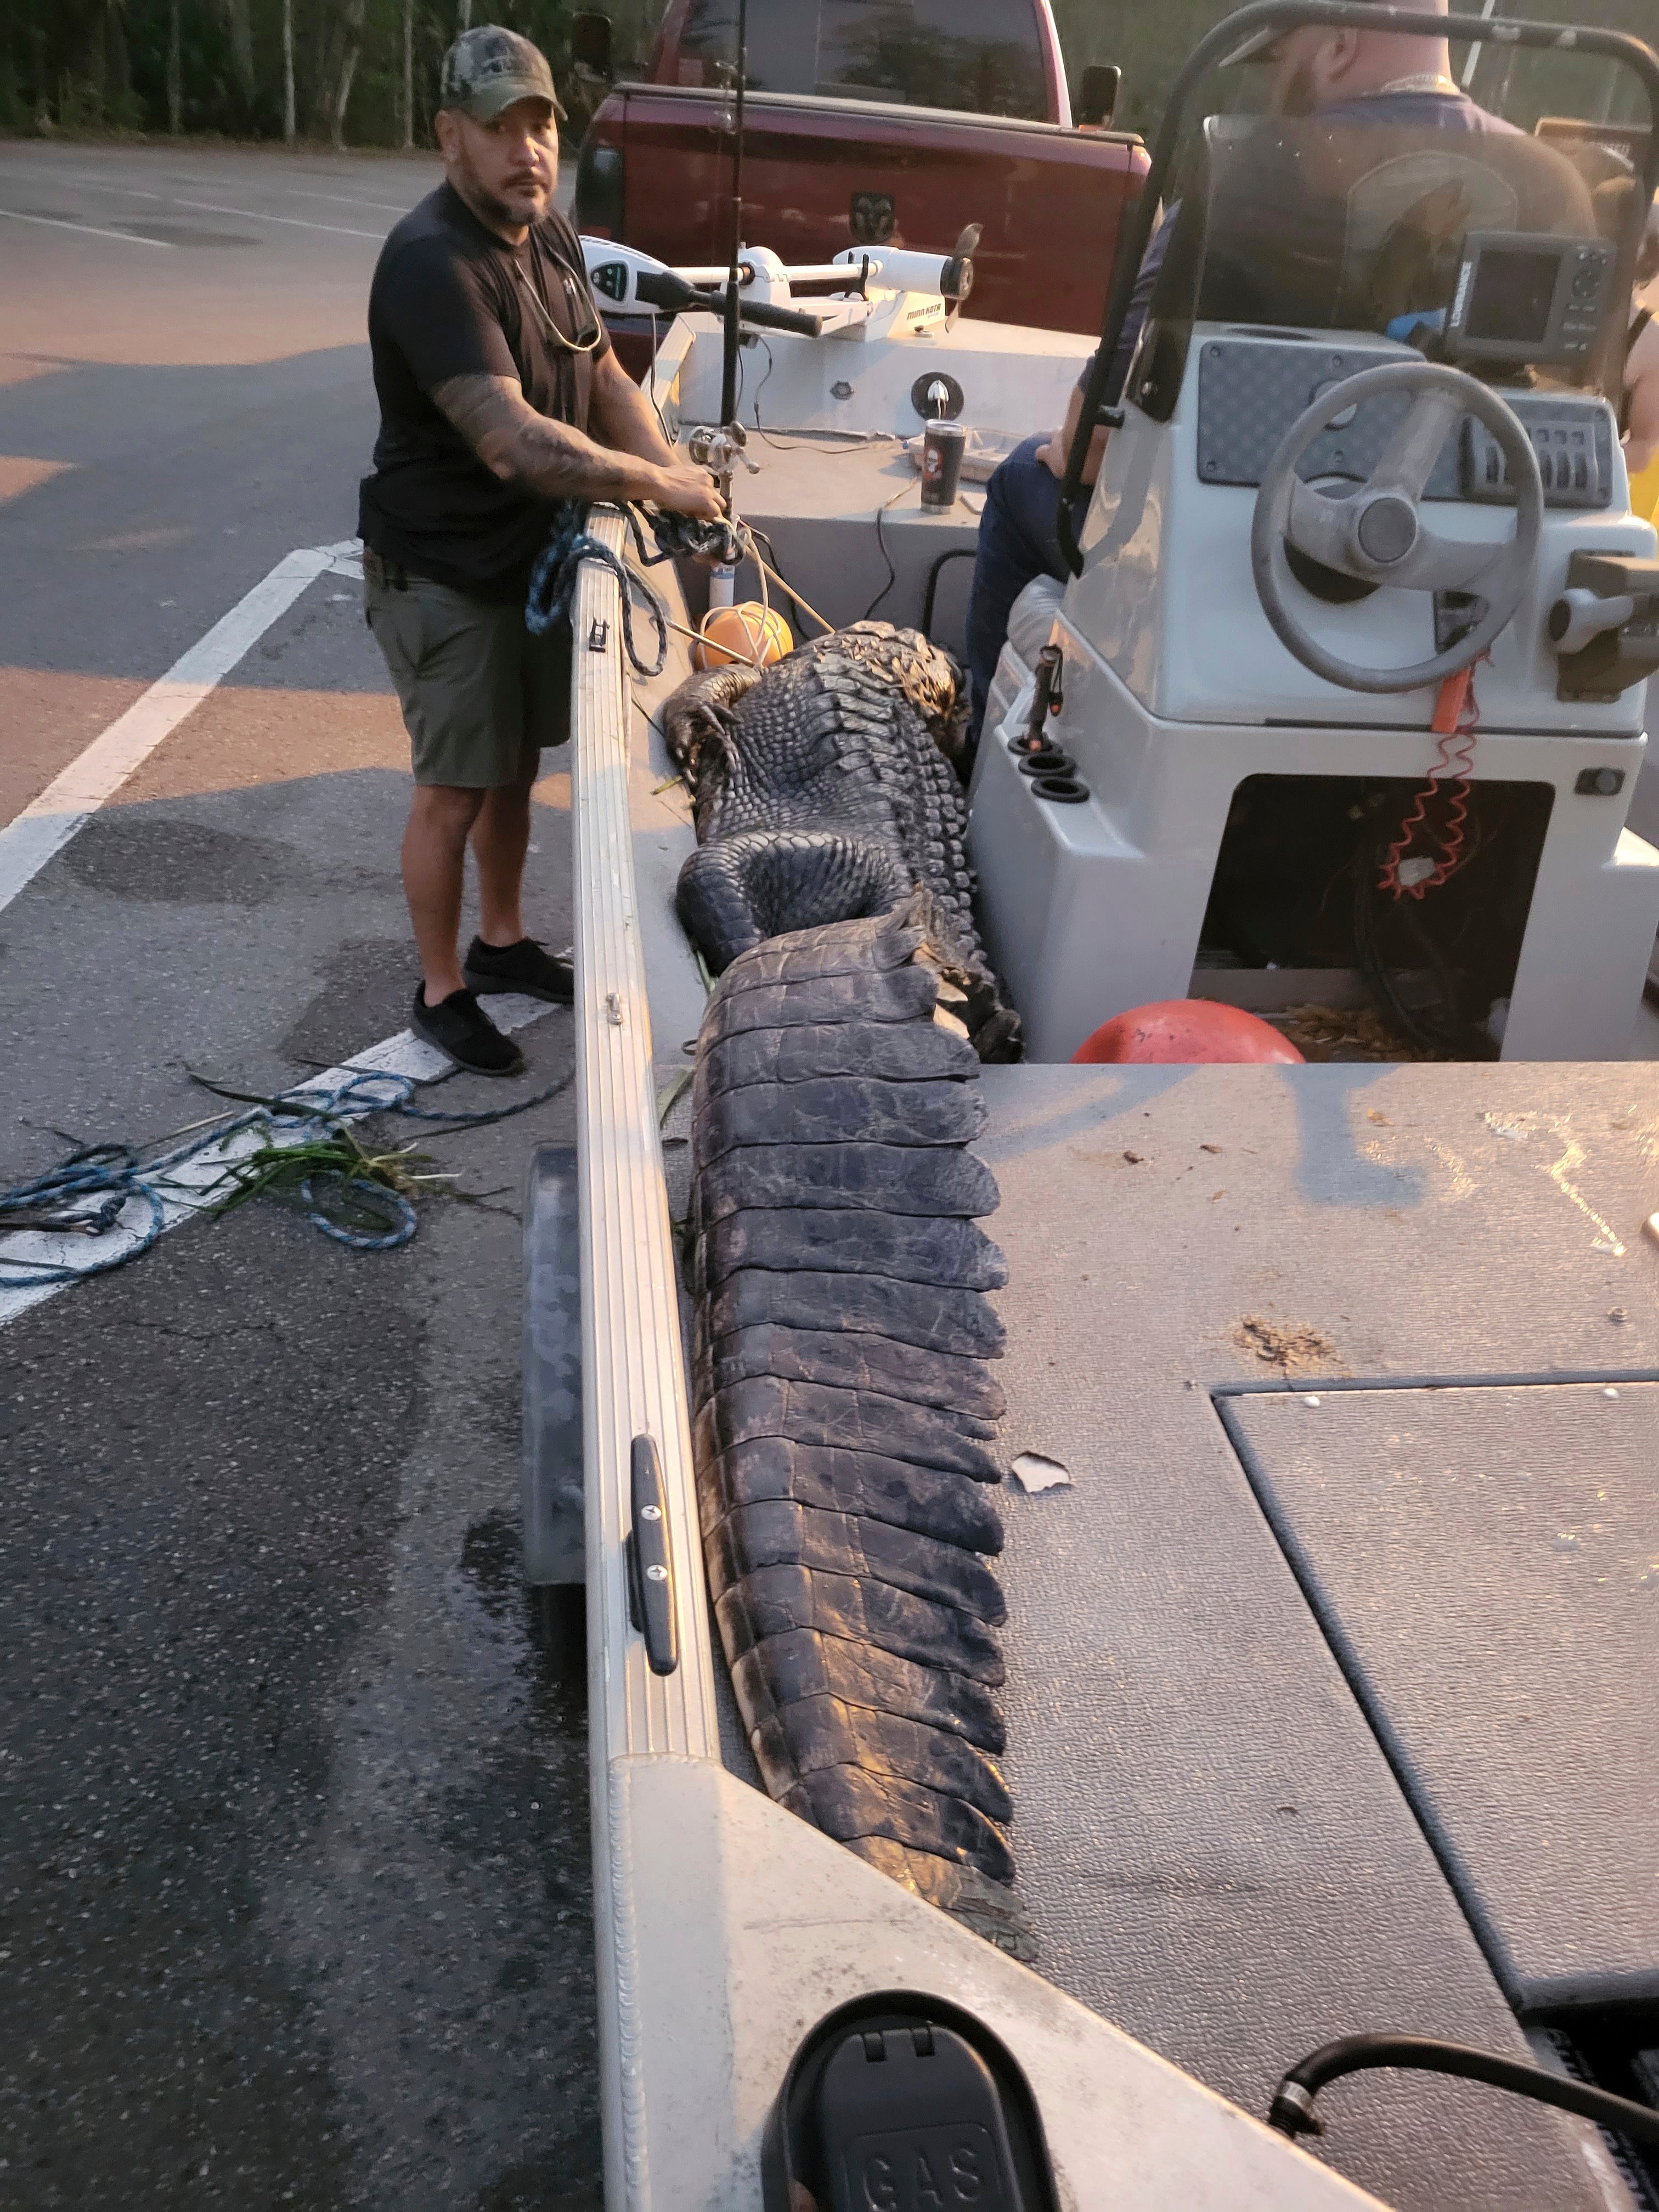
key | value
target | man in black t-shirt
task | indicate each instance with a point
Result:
(500, 396)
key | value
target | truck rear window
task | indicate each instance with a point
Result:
(984, 56)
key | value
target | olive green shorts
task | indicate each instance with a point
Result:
(477, 689)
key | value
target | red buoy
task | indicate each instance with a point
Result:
(1188, 1032)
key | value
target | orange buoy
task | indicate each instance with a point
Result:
(1188, 1032)
(749, 632)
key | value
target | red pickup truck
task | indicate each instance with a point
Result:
(867, 121)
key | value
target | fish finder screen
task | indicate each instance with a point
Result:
(1511, 296)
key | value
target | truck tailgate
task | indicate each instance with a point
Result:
(821, 175)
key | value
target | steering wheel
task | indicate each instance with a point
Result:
(1377, 535)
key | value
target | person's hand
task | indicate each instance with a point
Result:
(1642, 385)
(690, 491)
(1055, 454)
(1647, 261)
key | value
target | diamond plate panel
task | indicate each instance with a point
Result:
(1249, 394)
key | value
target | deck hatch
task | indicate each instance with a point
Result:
(1485, 1563)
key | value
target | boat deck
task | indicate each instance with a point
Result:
(1305, 1342)
(1244, 1827)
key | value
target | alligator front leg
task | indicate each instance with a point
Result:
(734, 892)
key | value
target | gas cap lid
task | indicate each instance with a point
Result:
(903, 2102)
(908, 2117)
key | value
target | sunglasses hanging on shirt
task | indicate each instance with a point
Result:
(579, 300)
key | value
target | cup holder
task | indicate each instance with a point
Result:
(1061, 790)
(1049, 762)
(1028, 744)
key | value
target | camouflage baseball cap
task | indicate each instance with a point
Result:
(488, 67)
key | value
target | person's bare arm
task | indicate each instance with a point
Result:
(1642, 385)
(1054, 452)
(554, 461)
(625, 417)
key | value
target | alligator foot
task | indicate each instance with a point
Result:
(738, 891)
(823, 791)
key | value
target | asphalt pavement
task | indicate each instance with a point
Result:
(293, 1852)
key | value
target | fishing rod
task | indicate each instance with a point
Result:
(725, 448)
(729, 364)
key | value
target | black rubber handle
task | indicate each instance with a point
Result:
(1293, 2111)
(1045, 700)
(651, 1595)
(767, 318)
(661, 288)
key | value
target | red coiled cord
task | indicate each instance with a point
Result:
(1456, 719)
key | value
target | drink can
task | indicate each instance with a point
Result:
(942, 449)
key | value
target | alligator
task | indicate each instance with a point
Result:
(843, 1413)
(823, 790)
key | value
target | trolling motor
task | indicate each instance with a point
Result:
(904, 2102)
(627, 277)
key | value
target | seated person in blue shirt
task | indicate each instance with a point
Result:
(1369, 76)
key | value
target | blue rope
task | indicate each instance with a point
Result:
(83, 1194)
(86, 1193)
(553, 585)
(569, 543)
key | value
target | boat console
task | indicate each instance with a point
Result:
(1326, 568)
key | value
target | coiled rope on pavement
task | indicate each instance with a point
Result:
(87, 1193)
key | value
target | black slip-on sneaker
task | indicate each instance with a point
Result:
(460, 1026)
(526, 967)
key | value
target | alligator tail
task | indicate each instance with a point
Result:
(843, 1413)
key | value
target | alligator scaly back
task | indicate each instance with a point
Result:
(843, 1413)
(823, 791)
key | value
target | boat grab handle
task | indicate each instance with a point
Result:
(651, 1605)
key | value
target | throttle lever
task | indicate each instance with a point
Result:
(1579, 616)
(1047, 699)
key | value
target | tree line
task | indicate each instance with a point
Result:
(359, 72)
(365, 72)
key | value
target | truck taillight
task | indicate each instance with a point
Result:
(599, 205)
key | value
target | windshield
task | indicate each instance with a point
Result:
(1360, 195)
(1359, 220)
(982, 55)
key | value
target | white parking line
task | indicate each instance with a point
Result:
(128, 192)
(343, 199)
(290, 221)
(89, 229)
(403, 1054)
(248, 215)
(47, 824)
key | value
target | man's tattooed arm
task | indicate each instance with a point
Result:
(554, 461)
(623, 416)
